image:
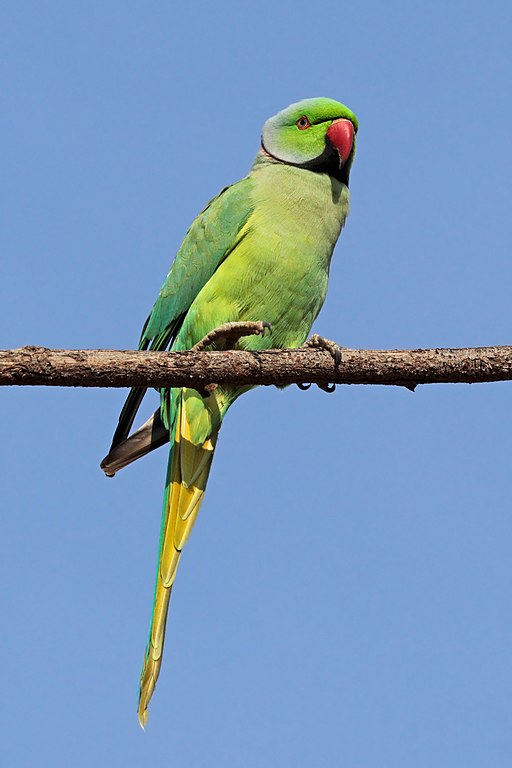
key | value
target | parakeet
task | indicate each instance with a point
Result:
(259, 251)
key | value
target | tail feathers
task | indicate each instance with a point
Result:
(154, 651)
(189, 467)
(151, 435)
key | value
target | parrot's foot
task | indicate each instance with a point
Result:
(318, 342)
(324, 387)
(230, 333)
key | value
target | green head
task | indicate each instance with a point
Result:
(317, 134)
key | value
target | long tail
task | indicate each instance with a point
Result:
(194, 435)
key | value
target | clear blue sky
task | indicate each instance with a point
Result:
(346, 596)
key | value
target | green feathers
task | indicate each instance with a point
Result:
(297, 134)
(260, 251)
(210, 239)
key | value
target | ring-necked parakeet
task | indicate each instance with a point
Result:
(260, 251)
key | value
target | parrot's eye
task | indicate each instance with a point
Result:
(302, 123)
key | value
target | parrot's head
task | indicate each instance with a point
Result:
(317, 134)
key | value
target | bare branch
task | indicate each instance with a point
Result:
(111, 368)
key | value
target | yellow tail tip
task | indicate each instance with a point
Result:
(143, 716)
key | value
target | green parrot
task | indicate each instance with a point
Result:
(257, 258)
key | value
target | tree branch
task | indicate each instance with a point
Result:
(111, 368)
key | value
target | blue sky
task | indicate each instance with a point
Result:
(345, 598)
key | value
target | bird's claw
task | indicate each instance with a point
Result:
(318, 342)
(328, 387)
(228, 334)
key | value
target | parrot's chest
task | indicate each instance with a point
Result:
(298, 216)
(279, 268)
(283, 260)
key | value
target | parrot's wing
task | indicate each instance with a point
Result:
(211, 238)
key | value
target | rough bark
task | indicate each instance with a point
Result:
(111, 368)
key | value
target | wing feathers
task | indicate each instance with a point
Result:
(210, 239)
(151, 435)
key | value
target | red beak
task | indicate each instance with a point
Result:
(341, 136)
